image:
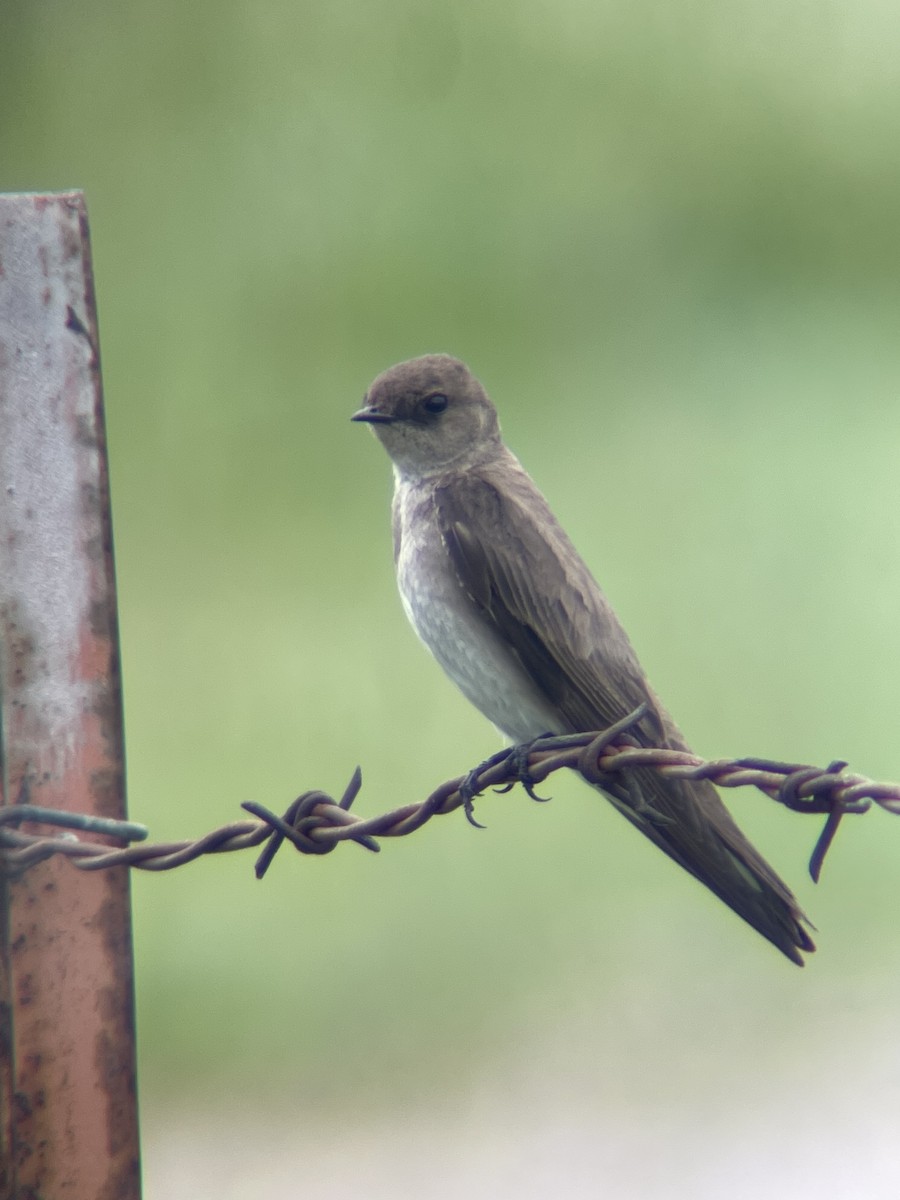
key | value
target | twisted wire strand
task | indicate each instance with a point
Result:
(315, 823)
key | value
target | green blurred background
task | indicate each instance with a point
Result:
(666, 237)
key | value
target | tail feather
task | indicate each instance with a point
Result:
(687, 820)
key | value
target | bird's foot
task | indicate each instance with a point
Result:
(471, 785)
(517, 758)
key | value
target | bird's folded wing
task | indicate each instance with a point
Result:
(518, 566)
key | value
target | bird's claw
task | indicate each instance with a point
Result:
(471, 787)
(517, 757)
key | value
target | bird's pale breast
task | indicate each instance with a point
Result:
(480, 664)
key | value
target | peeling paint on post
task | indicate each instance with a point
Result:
(67, 1064)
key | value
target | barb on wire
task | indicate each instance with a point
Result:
(315, 823)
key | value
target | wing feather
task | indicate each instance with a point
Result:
(518, 566)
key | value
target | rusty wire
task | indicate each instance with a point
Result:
(315, 823)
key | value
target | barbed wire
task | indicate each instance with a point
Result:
(316, 823)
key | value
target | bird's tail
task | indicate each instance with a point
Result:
(687, 819)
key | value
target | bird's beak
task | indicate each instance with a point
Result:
(373, 415)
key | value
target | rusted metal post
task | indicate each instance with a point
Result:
(67, 1064)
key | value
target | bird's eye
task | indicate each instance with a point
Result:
(435, 403)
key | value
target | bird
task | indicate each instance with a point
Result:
(498, 593)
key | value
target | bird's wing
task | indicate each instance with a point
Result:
(517, 565)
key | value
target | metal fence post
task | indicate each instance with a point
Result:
(67, 1064)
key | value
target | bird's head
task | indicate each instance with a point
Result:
(431, 415)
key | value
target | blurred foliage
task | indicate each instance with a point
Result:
(666, 238)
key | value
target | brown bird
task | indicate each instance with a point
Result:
(502, 599)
